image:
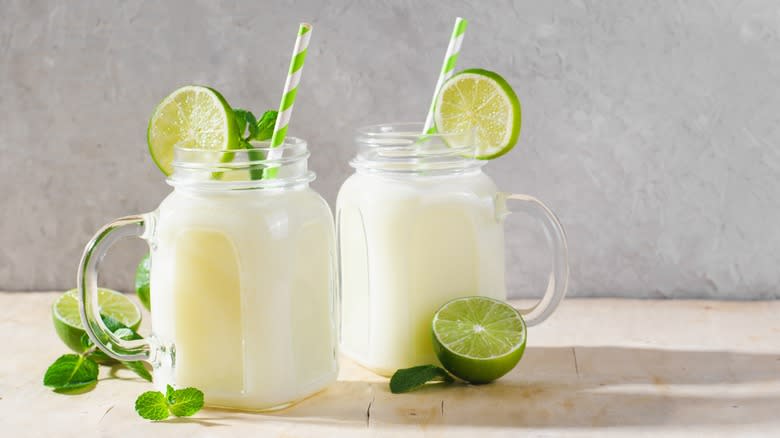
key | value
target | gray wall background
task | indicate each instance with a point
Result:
(651, 127)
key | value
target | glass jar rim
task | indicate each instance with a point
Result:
(260, 166)
(402, 148)
(290, 143)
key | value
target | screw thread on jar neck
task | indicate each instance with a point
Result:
(242, 169)
(401, 149)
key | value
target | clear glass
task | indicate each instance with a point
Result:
(419, 224)
(243, 280)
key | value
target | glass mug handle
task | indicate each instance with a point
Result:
(101, 336)
(556, 239)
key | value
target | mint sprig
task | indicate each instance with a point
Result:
(71, 372)
(251, 128)
(156, 406)
(79, 372)
(410, 379)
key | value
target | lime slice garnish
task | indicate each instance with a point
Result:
(478, 108)
(192, 117)
(478, 339)
(67, 320)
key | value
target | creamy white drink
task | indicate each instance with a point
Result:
(241, 285)
(409, 245)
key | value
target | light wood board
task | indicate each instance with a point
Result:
(598, 367)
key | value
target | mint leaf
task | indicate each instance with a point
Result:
(111, 323)
(139, 368)
(185, 402)
(94, 353)
(142, 281)
(169, 393)
(71, 371)
(240, 118)
(116, 327)
(152, 406)
(251, 121)
(410, 379)
(244, 118)
(123, 333)
(102, 358)
(264, 128)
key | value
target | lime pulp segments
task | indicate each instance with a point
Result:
(478, 339)
(478, 107)
(191, 117)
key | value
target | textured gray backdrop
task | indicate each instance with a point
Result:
(651, 127)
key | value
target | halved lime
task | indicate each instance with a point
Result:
(478, 339)
(192, 117)
(478, 107)
(67, 320)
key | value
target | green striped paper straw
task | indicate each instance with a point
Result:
(288, 95)
(447, 68)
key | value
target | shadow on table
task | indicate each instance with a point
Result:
(617, 386)
(567, 387)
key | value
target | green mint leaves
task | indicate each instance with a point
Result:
(71, 372)
(76, 373)
(410, 379)
(250, 128)
(79, 372)
(155, 406)
(122, 332)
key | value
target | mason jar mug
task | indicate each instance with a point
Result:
(243, 279)
(420, 224)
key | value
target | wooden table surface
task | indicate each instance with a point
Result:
(598, 367)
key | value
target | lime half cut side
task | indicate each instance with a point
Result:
(191, 117)
(67, 320)
(478, 108)
(478, 339)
